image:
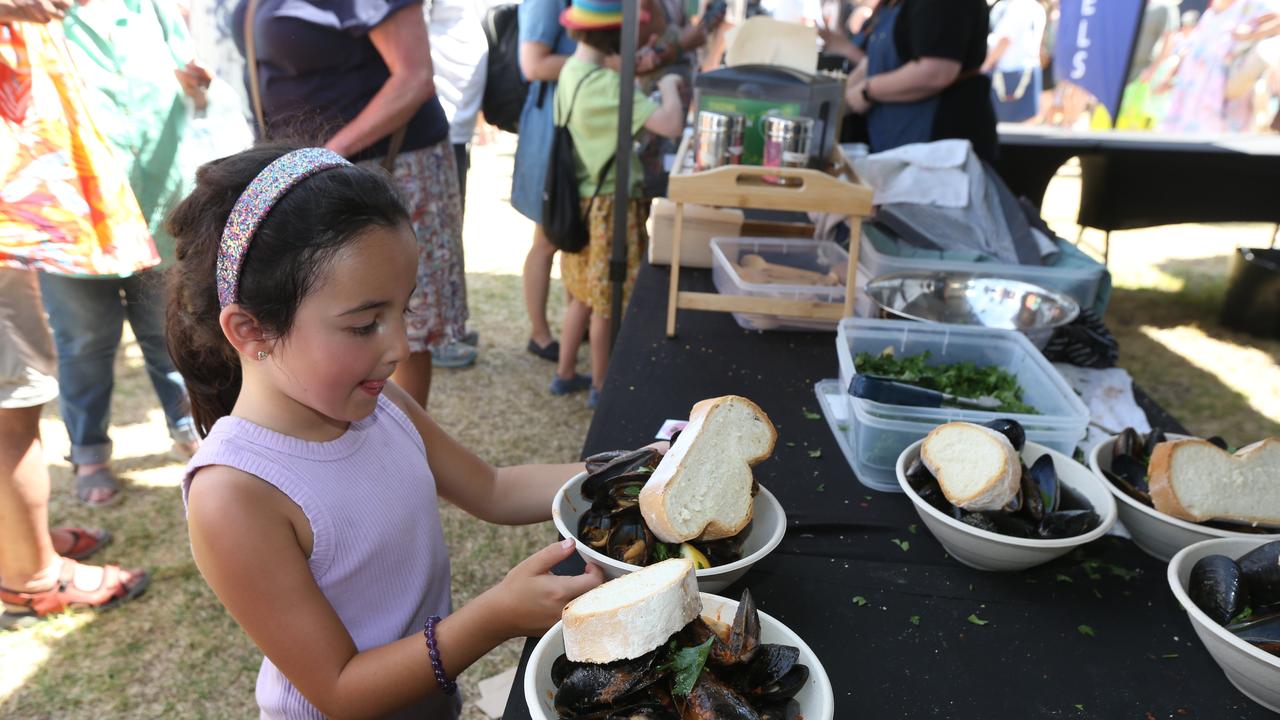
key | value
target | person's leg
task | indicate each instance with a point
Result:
(144, 306)
(537, 284)
(599, 350)
(462, 158)
(27, 557)
(86, 316)
(573, 327)
(414, 375)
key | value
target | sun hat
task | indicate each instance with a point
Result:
(592, 15)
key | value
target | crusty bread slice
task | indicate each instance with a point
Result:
(1197, 481)
(702, 486)
(976, 467)
(631, 615)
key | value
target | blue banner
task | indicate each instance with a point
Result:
(1095, 42)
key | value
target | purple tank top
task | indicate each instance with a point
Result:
(378, 554)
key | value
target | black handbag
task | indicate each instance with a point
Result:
(563, 221)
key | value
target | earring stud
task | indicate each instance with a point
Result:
(262, 355)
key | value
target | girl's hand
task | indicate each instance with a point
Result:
(856, 101)
(530, 599)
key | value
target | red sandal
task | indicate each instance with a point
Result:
(84, 541)
(116, 586)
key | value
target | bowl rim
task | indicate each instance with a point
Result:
(1107, 520)
(1198, 616)
(1063, 299)
(826, 694)
(775, 538)
(1095, 466)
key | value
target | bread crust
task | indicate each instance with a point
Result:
(637, 627)
(1165, 496)
(653, 498)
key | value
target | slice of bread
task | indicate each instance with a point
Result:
(631, 615)
(1197, 481)
(976, 467)
(702, 487)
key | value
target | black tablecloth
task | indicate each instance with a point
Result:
(1142, 179)
(1096, 634)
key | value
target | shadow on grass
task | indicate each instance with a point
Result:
(172, 652)
(1196, 397)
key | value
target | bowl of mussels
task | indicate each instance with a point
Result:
(1230, 588)
(755, 667)
(998, 502)
(1123, 463)
(600, 509)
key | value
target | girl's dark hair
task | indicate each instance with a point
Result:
(289, 252)
(608, 41)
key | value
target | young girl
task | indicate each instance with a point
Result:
(587, 94)
(312, 504)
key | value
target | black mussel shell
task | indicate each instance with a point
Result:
(1045, 477)
(1154, 438)
(726, 550)
(918, 475)
(597, 462)
(560, 669)
(1217, 440)
(788, 710)
(594, 527)
(1217, 587)
(711, 699)
(978, 520)
(1239, 527)
(1262, 632)
(1013, 525)
(1067, 523)
(788, 685)
(1128, 443)
(636, 461)
(1128, 489)
(594, 688)
(1011, 429)
(1261, 569)
(770, 664)
(1132, 471)
(630, 541)
(624, 492)
(1032, 500)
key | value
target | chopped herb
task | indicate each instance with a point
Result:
(1121, 572)
(632, 491)
(822, 487)
(687, 663)
(903, 545)
(1169, 656)
(963, 379)
(810, 415)
(1080, 707)
(842, 427)
(913, 528)
(815, 454)
(1064, 578)
(660, 552)
(1085, 630)
(791, 444)
(1097, 594)
(1245, 614)
(859, 600)
(977, 620)
(866, 497)
(915, 619)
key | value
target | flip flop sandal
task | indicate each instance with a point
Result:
(100, 478)
(85, 542)
(23, 609)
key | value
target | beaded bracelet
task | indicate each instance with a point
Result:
(429, 631)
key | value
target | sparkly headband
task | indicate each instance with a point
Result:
(255, 202)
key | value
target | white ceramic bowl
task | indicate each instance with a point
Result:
(1158, 534)
(1253, 672)
(816, 699)
(991, 551)
(768, 526)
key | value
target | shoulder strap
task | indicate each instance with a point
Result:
(574, 98)
(255, 92)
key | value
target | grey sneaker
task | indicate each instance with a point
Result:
(453, 355)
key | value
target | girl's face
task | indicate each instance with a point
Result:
(349, 332)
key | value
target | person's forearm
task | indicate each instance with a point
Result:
(859, 72)
(667, 120)
(395, 103)
(522, 494)
(377, 682)
(546, 68)
(914, 81)
(994, 55)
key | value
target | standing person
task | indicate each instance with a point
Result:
(1198, 86)
(39, 570)
(1013, 58)
(586, 101)
(312, 505)
(135, 63)
(921, 79)
(356, 74)
(544, 48)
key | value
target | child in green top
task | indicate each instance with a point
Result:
(589, 84)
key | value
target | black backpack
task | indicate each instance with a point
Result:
(505, 88)
(562, 216)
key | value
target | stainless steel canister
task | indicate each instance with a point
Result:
(786, 143)
(714, 130)
(737, 129)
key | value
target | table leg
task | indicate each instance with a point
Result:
(851, 278)
(673, 290)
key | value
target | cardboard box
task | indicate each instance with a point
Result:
(701, 223)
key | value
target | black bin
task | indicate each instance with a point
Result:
(1252, 304)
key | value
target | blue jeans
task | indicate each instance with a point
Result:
(87, 316)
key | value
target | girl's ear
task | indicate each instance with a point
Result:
(243, 331)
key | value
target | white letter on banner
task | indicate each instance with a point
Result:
(1082, 34)
(1087, 7)
(1077, 64)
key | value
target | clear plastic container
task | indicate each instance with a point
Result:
(730, 255)
(879, 432)
(1082, 284)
